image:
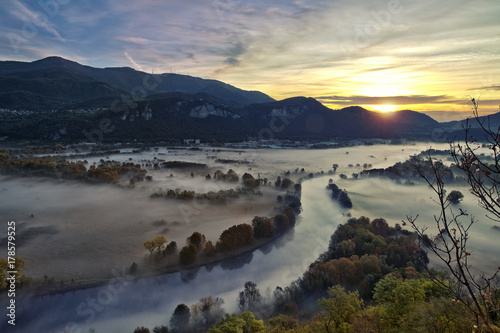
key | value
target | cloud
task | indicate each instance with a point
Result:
(395, 100)
(39, 20)
(133, 61)
(487, 88)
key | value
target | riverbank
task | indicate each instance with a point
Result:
(144, 272)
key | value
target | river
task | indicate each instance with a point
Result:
(123, 304)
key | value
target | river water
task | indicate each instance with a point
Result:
(123, 305)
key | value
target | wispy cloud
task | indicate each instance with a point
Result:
(132, 61)
(487, 88)
(394, 100)
(39, 20)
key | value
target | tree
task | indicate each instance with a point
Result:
(277, 183)
(235, 237)
(344, 200)
(207, 312)
(286, 183)
(339, 308)
(455, 197)
(160, 329)
(245, 322)
(159, 242)
(133, 268)
(397, 296)
(262, 227)
(290, 214)
(141, 330)
(150, 246)
(188, 254)
(380, 227)
(250, 298)
(281, 222)
(196, 239)
(450, 245)
(156, 243)
(170, 249)
(180, 320)
(249, 180)
(481, 175)
(209, 249)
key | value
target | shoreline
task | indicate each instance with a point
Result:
(150, 273)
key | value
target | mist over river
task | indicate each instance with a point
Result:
(95, 231)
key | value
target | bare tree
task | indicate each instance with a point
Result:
(482, 174)
(450, 247)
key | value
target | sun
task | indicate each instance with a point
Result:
(384, 107)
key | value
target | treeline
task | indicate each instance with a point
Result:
(221, 196)
(233, 238)
(250, 187)
(183, 165)
(340, 195)
(408, 170)
(106, 171)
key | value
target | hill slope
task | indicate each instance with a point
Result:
(122, 78)
(177, 116)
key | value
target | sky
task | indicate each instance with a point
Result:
(427, 55)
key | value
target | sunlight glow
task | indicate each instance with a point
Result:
(383, 108)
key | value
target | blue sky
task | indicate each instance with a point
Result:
(389, 54)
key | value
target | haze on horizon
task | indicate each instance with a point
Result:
(385, 55)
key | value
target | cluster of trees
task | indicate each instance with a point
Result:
(230, 176)
(194, 244)
(221, 196)
(340, 195)
(284, 183)
(230, 239)
(183, 165)
(360, 253)
(250, 181)
(44, 149)
(235, 237)
(158, 244)
(18, 268)
(206, 313)
(49, 166)
(407, 170)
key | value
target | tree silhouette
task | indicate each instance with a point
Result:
(450, 247)
(250, 298)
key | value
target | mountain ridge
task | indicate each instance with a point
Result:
(138, 82)
(165, 107)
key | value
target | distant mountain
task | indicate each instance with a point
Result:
(28, 78)
(172, 117)
(52, 88)
(492, 120)
(98, 103)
